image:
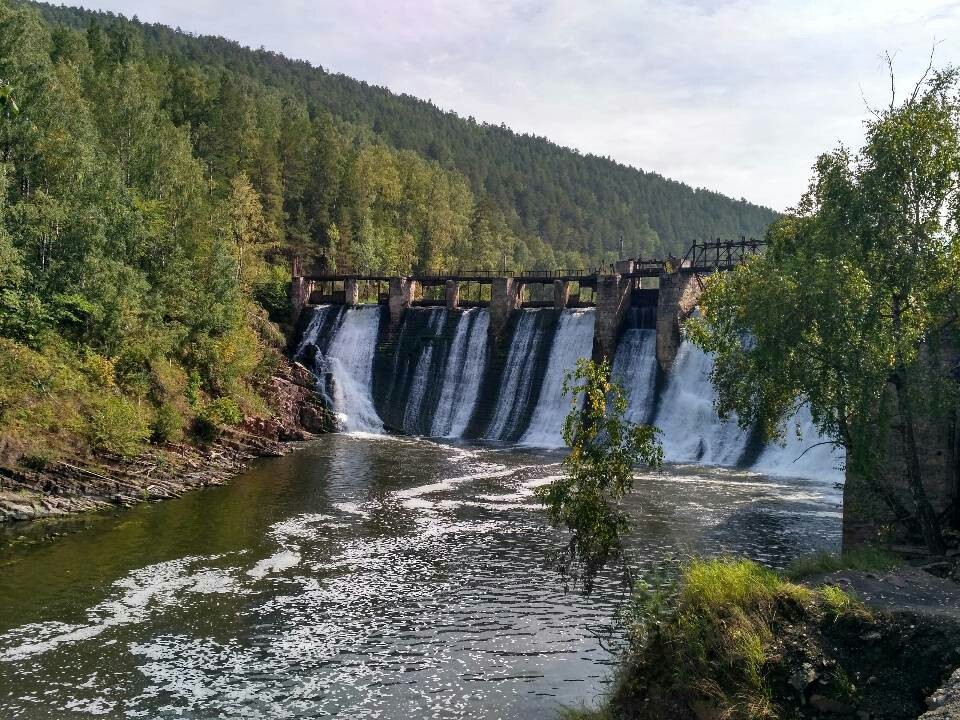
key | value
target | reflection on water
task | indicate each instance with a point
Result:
(359, 578)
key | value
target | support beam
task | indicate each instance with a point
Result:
(623, 267)
(452, 290)
(613, 301)
(679, 294)
(351, 292)
(561, 294)
(402, 291)
(504, 299)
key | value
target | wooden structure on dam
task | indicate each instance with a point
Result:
(612, 291)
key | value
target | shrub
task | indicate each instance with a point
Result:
(204, 429)
(115, 425)
(271, 293)
(167, 424)
(37, 461)
(708, 638)
(223, 411)
(209, 421)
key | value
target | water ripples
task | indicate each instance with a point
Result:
(378, 587)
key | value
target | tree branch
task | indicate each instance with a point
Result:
(825, 442)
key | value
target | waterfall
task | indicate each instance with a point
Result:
(635, 368)
(440, 378)
(318, 331)
(310, 333)
(516, 387)
(464, 371)
(819, 461)
(350, 360)
(573, 340)
(692, 432)
(422, 374)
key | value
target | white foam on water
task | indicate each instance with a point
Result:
(276, 563)
(140, 593)
(492, 471)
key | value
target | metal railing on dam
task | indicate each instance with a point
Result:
(702, 257)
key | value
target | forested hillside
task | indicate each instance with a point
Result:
(525, 189)
(153, 187)
(128, 264)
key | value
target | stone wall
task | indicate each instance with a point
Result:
(402, 291)
(298, 292)
(504, 299)
(613, 301)
(867, 517)
(679, 294)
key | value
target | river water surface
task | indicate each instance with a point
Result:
(361, 577)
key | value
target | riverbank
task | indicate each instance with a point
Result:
(30, 490)
(731, 639)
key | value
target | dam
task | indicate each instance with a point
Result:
(479, 373)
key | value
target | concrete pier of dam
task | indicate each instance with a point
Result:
(672, 286)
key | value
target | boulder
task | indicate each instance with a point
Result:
(945, 702)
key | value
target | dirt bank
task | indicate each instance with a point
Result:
(78, 484)
(735, 641)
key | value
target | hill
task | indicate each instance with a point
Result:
(526, 186)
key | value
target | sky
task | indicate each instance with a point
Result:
(738, 96)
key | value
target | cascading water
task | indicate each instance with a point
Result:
(349, 359)
(573, 341)
(422, 373)
(319, 331)
(310, 332)
(516, 389)
(692, 431)
(635, 368)
(464, 371)
(438, 373)
(807, 455)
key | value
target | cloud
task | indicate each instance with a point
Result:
(735, 95)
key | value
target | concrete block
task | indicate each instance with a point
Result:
(452, 290)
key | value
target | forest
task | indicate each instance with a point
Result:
(539, 203)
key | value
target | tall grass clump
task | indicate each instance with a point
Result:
(703, 643)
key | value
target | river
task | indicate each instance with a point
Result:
(360, 577)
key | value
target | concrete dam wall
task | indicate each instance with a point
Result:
(444, 373)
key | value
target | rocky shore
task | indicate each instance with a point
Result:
(81, 484)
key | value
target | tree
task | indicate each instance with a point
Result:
(604, 450)
(246, 226)
(853, 296)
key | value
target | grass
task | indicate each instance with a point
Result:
(585, 714)
(713, 641)
(865, 559)
(837, 602)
